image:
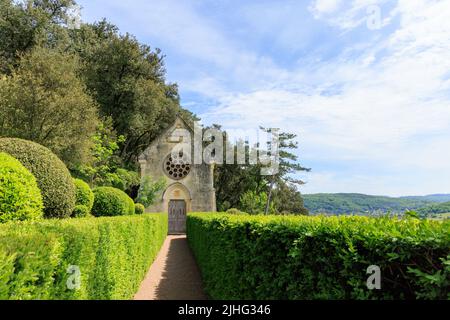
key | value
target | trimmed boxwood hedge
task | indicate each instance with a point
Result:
(139, 208)
(80, 211)
(84, 195)
(273, 257)
(52, 176)
(20, 197)
(109, 201)
(112, 256)
(131, 205)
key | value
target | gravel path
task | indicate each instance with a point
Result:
(174, 274)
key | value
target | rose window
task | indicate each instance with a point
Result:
(177, 166)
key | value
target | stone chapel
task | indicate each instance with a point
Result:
(189, 187)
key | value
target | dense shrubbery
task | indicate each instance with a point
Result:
(80, 211)
(84, 194)
(20, 197)
(255, 203)
(124, 179)
(149, 189)
(139, 208)
(53, 178)
(131, 205)
(267, 257)
(112, 255)
(110, 201)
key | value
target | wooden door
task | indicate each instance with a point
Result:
(177, 216)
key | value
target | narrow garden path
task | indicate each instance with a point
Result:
(174, 274)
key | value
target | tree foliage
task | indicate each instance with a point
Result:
(29, 23)
(106, 166)
(288, 200)
(254, 203)
(288, 166)
(44, 101)
(233, 182)
(127, 80)
(149, 189)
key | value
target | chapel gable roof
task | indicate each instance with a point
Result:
(179, 123)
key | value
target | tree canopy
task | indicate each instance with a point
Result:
(127, 79)
(30, 23)
(46, 67)
(237, 185)
(43, 100)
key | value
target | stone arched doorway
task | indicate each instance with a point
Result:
(177, 202)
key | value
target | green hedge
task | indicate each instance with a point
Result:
(131, 205)
(84, 195)
(109, 201)
(112, 254)
(80, 211)
(268, 257)
(20, 197)
(139, 208)
(52, 175)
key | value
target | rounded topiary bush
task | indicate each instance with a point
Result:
(139, 208)
(52, 176)
(20, 197)
(131, 206)
(81, 211)
(109, 201)
(84, 195)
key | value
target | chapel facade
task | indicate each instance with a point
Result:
(189, 187)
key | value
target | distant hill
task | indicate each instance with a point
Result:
(355, 203)
(432, 197)
(434, 209)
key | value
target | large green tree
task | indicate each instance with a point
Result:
(125, 77)
(127, 80)
(280, 190)
(43, 100)
(29, 23)
(288, 166)
(287, 200)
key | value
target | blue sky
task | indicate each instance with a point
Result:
(364, 83)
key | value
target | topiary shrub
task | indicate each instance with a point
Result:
(52, 176)
(81, 211)
(109, 201)
(139, 208)
(20, 197)
(131, 206)
(84, 195)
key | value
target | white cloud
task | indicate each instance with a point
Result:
(384, 102)
(325, 6)
(351, 14)
(393, 94)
